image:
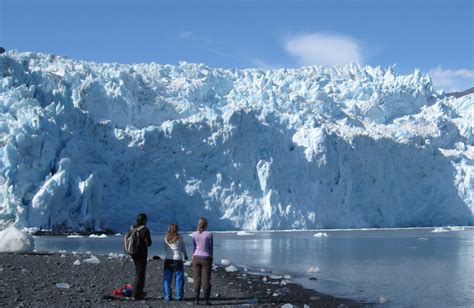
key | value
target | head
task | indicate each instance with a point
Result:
(142, 219)
(202, 224)
(172, 235)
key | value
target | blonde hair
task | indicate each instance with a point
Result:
(202, 224)
(172, 236)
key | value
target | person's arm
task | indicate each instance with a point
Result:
(194, 245)
(211, 246)
(183, 249)
(147, 238)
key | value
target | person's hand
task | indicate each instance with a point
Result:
(186, 258)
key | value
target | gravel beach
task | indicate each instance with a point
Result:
(52, 280)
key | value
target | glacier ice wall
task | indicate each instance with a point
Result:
(87, 146)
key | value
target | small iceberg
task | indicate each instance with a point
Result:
(231, 269)
(74, 236)
(98, 236)
(321, 234)
(244, 233)
(14, 240)
(382, 300)
(440, 230)
(314, 269)
(456, 228)
(225, 262)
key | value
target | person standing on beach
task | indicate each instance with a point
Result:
(202, 261)
(175, 250)
(141, 255)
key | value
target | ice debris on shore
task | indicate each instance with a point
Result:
(382, 300)
(321, 235)
(314, 147)
(77, 262)
(231, 268)
(92, 260)
(14, 240)
(63, 285)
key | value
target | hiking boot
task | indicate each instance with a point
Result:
(207, 296)
(196, 296)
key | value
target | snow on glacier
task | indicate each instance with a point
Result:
(86, 146)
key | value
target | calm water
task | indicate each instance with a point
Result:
(408, 267)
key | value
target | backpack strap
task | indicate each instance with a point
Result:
(137, 229)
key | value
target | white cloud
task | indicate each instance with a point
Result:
(452, 80)
(323, 49)
(264, 65)
(185, 35)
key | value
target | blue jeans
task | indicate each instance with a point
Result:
(173, 267)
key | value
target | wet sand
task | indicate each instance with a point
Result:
(31, 280)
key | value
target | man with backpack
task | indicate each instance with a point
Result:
(136, 243)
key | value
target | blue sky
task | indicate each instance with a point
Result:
(436, 36)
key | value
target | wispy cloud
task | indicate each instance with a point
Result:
(323, 49)
(185, 35)
(452, 80)
(264, 65)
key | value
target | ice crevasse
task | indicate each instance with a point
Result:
(86, 146)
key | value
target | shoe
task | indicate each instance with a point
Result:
(196, 296)
(207, 296)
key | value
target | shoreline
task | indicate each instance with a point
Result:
(31, 279)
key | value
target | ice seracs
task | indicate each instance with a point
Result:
(85, 146)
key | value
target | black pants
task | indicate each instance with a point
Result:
(140, 270)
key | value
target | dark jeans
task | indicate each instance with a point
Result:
(140, 269)
(202, 269)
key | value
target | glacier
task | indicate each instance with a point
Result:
(86, 146)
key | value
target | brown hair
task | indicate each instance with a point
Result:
(202, 224)
(172, 235)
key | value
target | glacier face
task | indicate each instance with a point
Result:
(88, 146)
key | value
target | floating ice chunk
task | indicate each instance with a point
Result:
(276, 277)
(287, 305)
(92, 260)
(456, 228)
(74, 236)
(14, 240)
(62, 255)
(382, 300)
(190, 280)
(314, 269)
(62, 285)
(440, 230)
(118, 234)
(321, 234)
(77, 262)
(225, 262)
(423, 239)
(287, 277)
(62, 251)
(231, 268)
(244, 233)
(264, 279)
(98, 236)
